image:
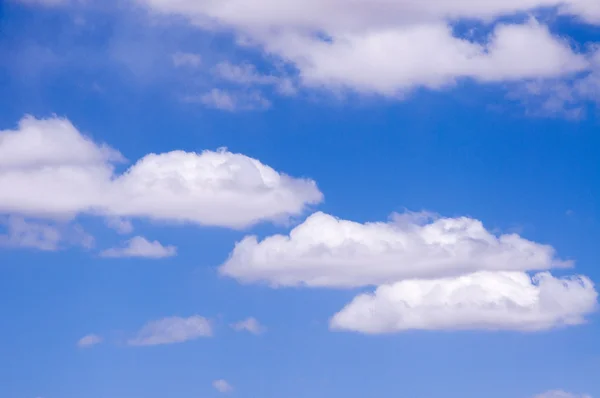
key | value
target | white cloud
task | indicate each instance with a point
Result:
(218, 99)
(222, 386)
(231, 101)
(121, 225)
(336, 15)
(587, 10)
(51, 142)
(561, 98)
(325, 251)
(247, 75)
(561, 394)
(389, 62)
(89, 341)
(251, 325)
(388, 47)
(483, 300)
(181, 59)
(172, 330)
(51, 159)
(243, 74)
(139, 246)
(22, 233)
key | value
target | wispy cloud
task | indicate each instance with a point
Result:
(26, 234)
(181, 59)
(251, 325)
(222, 386)
(172, 330)
(561, 394)
(120, 225)
(139, 246)
(231, 101)
(246, 74)
(89, 341)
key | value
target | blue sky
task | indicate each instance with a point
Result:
(268, 199)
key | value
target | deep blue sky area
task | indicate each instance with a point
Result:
(470, 147)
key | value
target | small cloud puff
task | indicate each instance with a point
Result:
(222, 386)
(172, 330)
(139, 246)
(89, 341)
(251, 325)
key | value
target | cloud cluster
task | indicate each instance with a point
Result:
(388, 47)
(430, 272)
(51, 159)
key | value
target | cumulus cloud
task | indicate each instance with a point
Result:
(361, 14)
(391, 61)
(139, 246)
(388, 47)
(89, 341)
(251, 325)
(222, 386)
(172, 330)
(483, 300)
(325, 251)
(51, 159)
(22, 233)
(561, 394)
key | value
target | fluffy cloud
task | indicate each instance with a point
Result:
(139, 246)
(222, 386)
(336, 15)
(251, 325)
(391, 61)
(387, 47)
(89, 340)
(172, 330)
(561, 394)
(51, 159)
(329, 252)
(483, 300)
